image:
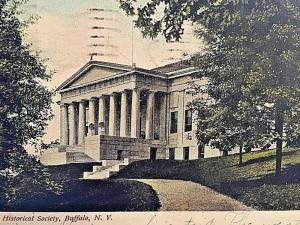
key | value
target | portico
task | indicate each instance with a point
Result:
(123, 104)
(112, 114)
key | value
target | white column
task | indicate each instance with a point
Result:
(72, 124)
(123, 119)
(163, 117)
(112, 115)
(64, 124)
(101, 114)
(135, 114)
(81, 123)
(149, 115)
(92, 116)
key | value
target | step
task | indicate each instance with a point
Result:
(78, 157)
(110, 162)
(75, 148)
(96, 175)
(99, 168)
(108, 168)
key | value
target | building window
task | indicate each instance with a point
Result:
(174, 122)
(186, 153)
(172, 153)
(188, 120)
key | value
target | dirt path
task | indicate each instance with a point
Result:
(178, 195)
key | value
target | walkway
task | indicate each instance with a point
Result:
(178, 195)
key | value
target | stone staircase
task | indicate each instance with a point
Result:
(75, 154)
(106, 170)
(78, 157)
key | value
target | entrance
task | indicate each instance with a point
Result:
(186, 153)
(153, 152)
(120, 155)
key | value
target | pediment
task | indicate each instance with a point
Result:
(91, 72)
(94, 74)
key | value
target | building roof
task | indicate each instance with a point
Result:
(172, 70)
(173, 67)
(123, 69)
(177, 69)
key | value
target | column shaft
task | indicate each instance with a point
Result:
(81, 123)
(163, 116)
(149, 116)
(72, 124)
(101, 130)
(123, 120)
(112, 115)
(135, 114)
(64, 124)
(92, 116)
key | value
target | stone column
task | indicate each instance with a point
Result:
(149, 115)
(163, 117)
(64, 124)
(81, 122)
(92, 116)
(123, 120)
(112, 115)
(72, 124)
(135, 114)
(101, 114)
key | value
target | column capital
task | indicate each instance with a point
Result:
(93, 99)
(102, 96)
(151, 92)
(113, 94)
(136, 89)
(125, 91)
(62, 105)
(73, 103)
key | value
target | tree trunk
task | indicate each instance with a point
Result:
(241, 155)
(279, 121)
(225, 153)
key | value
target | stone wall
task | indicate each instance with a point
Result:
(92, 147)
(132, 148)
(53, 158)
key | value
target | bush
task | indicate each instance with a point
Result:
(23, 173)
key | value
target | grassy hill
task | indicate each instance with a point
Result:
(253, 183)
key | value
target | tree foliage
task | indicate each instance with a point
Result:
(25, 108)
(25, 102)
(251, 62)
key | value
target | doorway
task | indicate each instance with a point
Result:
(153, 152)
(186, 153)
(120, 155)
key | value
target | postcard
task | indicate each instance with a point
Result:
(149, 112)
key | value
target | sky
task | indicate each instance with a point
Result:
(62, 34)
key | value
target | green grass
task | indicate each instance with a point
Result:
(253, 183)
(87, 195)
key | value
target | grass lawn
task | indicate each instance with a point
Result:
(88, 195)
(254, 183)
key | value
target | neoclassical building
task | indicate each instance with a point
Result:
(114, 111)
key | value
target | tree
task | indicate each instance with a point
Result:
(25, 108)
(25, 102)
(255, 46)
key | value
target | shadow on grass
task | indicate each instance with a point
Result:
(265, 192)
(94, 195)
(86, 195)
(266, 158)
(289, 175)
